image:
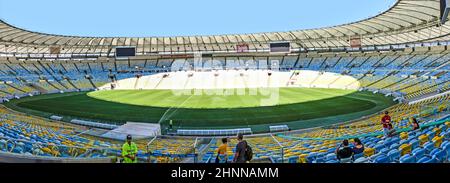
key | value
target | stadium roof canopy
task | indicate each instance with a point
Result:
(407, 21)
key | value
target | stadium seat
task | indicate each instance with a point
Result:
(426, 160)
(382, 159)
(437, 140)
(419, 153)
(407, 159)
(385, 150)
(446, 147)
(440, 156)
(332, 161)
(414, 143)
(394, 155)
(428, 146)
(405, 149)
(403, 135)
(302, 158)
(369, 152)
(394, 146)
(423, 139)
(437, 130)
(431, 135)
(293, 159)
(356, 156)
(378, 147)
(362, 160)
(331, 156)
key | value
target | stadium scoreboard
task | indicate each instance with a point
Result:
(280, 47)
(124, 52)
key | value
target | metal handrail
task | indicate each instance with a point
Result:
(148, 148)
(282, 147)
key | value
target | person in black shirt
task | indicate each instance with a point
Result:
(239, 156)
(344, 152)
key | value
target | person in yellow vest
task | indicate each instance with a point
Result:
(129, 151)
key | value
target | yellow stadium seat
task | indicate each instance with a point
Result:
(369, 152)
(302, 158)
(438, 140)
(405, 149)
(403, 135)
(437, 131)
(423, 139)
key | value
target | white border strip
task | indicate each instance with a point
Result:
(427, 98)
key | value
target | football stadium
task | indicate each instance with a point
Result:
(378, 86)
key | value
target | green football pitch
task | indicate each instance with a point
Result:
(210, 109)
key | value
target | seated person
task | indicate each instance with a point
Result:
(344, 152)
(358, 146)
(391, 131)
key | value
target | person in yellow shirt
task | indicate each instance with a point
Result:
(222, 151)
(129, 151)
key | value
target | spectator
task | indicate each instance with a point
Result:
(241, 147)
(415, 124)
(391, 130)
(385, 121)
(344, 153)
(358, 146)
(129, 151)
(222, 155)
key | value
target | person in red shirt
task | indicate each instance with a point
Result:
(386, 121)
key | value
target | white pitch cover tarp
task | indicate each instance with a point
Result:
(137, 130)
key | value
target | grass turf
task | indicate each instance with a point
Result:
(217, 99)
(297, 107)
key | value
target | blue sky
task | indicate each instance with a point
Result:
(137, 18)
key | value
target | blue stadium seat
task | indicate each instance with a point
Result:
(356, 156)
(331, 156)
(434, 151)
(394, 155)
(431, 135)
(311, 157)
(426, 160)
(378, 147)
(394, 146)
(384, 150)
(320, 160)
(428, 146)
(407, 159)
(440, 156)
(446, 148)
(293, 159)
(362, 160)
(332, 161)
(419, 153)
(414, 143)
(382, 159)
